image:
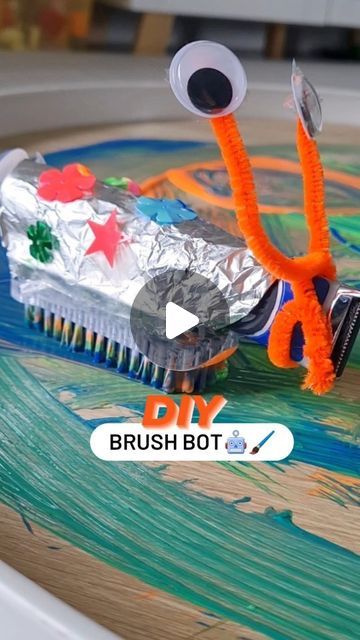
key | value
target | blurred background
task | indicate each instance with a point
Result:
(275, 29)
(78, 63)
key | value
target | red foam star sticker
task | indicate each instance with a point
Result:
(107, 238)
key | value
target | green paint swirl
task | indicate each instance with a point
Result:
(259, 570)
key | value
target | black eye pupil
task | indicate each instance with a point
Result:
(209, 90)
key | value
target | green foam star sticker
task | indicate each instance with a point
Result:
(43, 242)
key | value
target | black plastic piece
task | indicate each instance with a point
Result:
(209, 90)
(347, 336)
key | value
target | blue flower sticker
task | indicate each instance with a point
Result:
(165, 211)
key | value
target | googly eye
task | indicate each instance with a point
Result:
(307, 102)
(208, 79)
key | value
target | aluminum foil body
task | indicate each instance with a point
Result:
(85, 288)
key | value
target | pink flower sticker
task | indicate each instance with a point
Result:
(72, 183)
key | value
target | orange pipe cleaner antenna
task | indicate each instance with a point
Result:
(300, 271)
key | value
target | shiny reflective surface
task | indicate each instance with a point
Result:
(84, 288)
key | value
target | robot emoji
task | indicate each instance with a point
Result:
(236, 443)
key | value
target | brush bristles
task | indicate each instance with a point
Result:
(117, 356)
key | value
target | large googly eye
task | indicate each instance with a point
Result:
(208, 79)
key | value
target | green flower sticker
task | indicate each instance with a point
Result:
(123, 183)
(43, 242)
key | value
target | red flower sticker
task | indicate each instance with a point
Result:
(72, 183)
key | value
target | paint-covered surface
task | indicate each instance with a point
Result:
(270, 547)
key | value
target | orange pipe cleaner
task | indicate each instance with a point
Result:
(300, 271)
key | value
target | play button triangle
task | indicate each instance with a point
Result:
(178, 320)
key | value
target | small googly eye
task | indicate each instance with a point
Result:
(208, 79)
(307, 102)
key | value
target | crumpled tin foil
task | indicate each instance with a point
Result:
(84, 288)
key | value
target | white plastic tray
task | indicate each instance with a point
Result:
(42, 91)
(27, 611)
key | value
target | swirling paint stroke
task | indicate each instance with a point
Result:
(259, 570)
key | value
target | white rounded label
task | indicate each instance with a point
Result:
(248, 442)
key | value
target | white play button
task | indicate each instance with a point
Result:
(178, 320)
(168, 334)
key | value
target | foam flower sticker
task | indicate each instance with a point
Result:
(72, 183)
(124, 183)
(43, 242)
(165, 211)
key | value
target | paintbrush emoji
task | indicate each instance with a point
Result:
(257, 448)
